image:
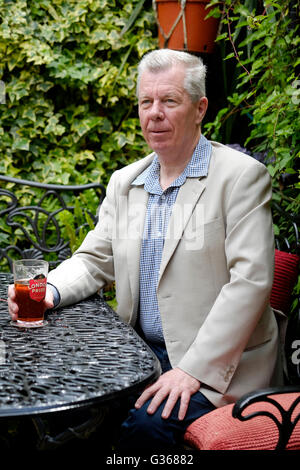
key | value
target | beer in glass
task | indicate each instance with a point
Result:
(30, 278)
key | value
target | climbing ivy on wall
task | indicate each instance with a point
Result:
(67, 96)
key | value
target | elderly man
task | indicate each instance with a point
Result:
(186, 233)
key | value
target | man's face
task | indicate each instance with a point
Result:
(169, 120)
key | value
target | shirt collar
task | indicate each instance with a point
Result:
(197, 166)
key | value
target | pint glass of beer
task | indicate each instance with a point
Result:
(30, 277)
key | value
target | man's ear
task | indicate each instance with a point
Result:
(201, 109)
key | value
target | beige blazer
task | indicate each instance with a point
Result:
(215, 277)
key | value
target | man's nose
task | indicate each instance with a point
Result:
(156, 111)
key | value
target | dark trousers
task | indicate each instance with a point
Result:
(141, 431)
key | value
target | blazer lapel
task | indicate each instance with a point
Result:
(136, 211)
(183, 208)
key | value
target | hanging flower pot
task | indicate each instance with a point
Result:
(182, 25)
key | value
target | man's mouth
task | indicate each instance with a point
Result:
(161, 131)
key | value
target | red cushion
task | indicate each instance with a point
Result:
(285, 278)
(218, 430)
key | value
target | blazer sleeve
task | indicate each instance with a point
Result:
(241, 303)
(91, 266)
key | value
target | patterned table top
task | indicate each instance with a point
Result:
(85, 354)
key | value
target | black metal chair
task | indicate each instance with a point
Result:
(39, 224)
(285, 424)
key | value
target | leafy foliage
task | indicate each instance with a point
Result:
(67, 98)
(259, 41)
(75, 225)
(67, 88)
(68, 69)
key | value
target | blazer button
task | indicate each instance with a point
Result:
(229, 373)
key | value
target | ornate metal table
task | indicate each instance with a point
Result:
(85, 357)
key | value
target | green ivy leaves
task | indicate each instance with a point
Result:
(263, 41)
(69, 69)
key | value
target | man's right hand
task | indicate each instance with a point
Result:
(13, 307)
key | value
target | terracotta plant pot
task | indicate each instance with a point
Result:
(185, 28)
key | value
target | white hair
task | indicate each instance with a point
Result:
(164, 59)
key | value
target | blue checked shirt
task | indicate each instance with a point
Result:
(158, 213)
